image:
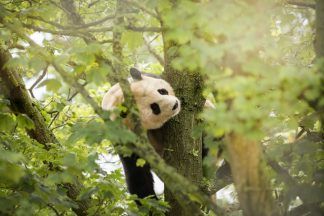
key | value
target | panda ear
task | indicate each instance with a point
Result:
(112, 98)
(136, 74)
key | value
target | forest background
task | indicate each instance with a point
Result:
(260, 62)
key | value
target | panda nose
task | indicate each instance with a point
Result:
(175, 106)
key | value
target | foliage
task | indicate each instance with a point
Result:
(259, 72)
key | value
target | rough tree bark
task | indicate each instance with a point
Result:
(319, 25)
(319, 50)
(183, 151)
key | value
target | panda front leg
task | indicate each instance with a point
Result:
(139, 179)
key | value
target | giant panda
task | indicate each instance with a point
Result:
(157, 104)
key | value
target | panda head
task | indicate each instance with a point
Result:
(154, 97)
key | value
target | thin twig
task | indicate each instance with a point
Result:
(131, 28)
(72, 96)
(144, 8)
(53, 119)
(54, 209)
(93, 3)
(109, 17)
(37, 81)
(52, 100)
(105, 41)
(153, 39)
(16, 46)
(62, 125)
(144, 29)
(57, 5)
(300, 133)
(151, 50)
(75, 93)
(57, 25)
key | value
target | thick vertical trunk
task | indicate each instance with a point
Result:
(319, 50)
(249, 177)
(183, 151)
(319, 25)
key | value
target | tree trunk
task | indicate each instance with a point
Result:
(183, 151)
(319, 50)
(251, 183)
(319, 25)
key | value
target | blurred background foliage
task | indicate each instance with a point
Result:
(258, 61)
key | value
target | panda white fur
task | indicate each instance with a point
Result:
(157, 104)
(154, 98)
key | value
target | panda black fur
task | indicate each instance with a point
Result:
(157, 103)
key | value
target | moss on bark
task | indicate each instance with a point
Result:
(182, 150)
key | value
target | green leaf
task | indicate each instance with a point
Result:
(306, 145)
(51, 84)
(140, 162)
(4, 103)
(11, 157)
(132, 39)
(7, 122)
(37, 64)
(10, 170)
(87, 193)
(25, 122)
(19, 62)
(309, 121)
(98, 75)
(95, 132)
(70, 160)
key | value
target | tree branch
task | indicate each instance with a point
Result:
(144, 8)
(143, 29)
(72, 82)
(82, 33)
(55, 32)
(69, 27)
(128, 27)
(37, 81)
(150, 49)
(93, 3)
(288, 180)
(54, 209)
(22, 103)
(57, 25)
(69, 5)
(301, 4)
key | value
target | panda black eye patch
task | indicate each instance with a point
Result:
(155, 108)
(163, 91)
